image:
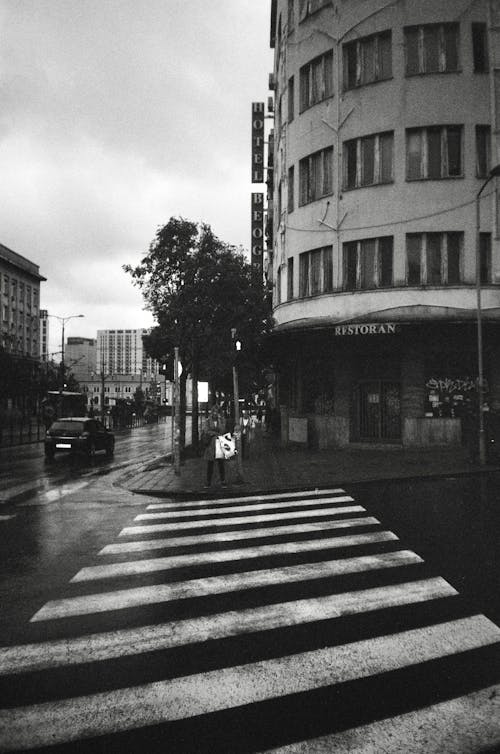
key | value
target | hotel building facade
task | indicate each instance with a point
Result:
(386, 123)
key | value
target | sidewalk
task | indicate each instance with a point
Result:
(267, 466)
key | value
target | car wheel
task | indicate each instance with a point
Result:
(91, 450)
(110, 449)
(49, 453)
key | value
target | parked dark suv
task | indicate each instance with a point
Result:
(78, 434)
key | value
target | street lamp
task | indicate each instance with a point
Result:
(237, 426)
(63, 320)
(494, 172)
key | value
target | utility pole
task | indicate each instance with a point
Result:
(177, 415)
(494, 173)
(237, 425)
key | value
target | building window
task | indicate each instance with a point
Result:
(289, 288)
(433, 48)
(480, 48)
(367, 60)
(485, 258)
(291, 99)
(316, 272)
(483, 151)
(434, 152)
(278, 285)
(368, 160)
(308, 7)
(368, 263)
(291, 179)
(434, 258)
(316, 80)
(291, 15)
(315, 174)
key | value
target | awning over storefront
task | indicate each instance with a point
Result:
(402, 314)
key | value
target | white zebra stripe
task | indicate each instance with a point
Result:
(122, 599)
(175, 526)
(152, 565)
(189, 696)
(230, 536)
(460, 725)
(200, 512)
(151, 638)
(257, 498)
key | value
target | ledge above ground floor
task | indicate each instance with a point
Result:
(402, 305)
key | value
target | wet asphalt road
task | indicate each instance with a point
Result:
(55, 515)
(453, 523)
(26, 474)
(48, 536)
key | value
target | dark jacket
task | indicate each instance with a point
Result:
(212, 429)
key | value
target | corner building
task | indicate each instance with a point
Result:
(385, 129)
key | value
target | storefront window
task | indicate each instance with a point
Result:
(450, 397)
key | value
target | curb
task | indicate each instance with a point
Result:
(246, 489)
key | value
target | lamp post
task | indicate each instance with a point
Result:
(494, 172)
(237, 426)
(63, 320)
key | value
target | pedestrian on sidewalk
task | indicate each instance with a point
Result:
(245, 431)
(215, 425)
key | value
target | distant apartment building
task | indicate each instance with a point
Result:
(101, 388)
(20, 304)
(122, 352)
(80, 357)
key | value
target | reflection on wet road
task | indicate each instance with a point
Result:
(28, 478)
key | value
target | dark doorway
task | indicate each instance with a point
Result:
(378, 411)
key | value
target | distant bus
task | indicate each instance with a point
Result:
(60, 403)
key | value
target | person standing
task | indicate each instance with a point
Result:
(215, 425)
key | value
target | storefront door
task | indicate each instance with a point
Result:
(378, 408)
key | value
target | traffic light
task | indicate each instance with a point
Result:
(236, 343)
(167, 368)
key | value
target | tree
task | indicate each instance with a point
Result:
(198, 288)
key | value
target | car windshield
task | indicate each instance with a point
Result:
(62, 426)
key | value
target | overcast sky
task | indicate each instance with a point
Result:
(114, 116)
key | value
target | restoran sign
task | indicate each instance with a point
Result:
(376, 328)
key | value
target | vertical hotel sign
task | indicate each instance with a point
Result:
(257, 142)
(257, 208)
(257, 228)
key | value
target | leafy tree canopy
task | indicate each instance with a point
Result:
(199, 288)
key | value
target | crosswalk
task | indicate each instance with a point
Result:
(292, 622)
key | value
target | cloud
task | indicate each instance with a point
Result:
(115, 116)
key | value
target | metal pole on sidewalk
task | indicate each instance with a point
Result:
(177, 417)
(494, 172)
(237, 428)
(236, 393)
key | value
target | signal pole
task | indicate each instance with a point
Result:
(177, 415)
(237, 425)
